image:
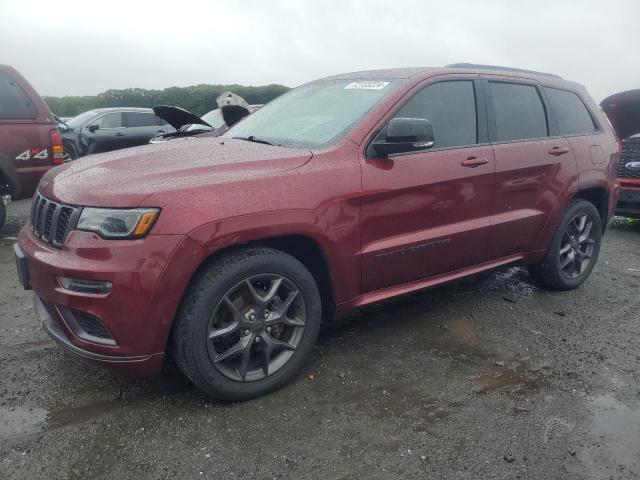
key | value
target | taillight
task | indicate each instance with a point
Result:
(57, 150)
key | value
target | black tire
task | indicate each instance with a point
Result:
(550, 272)
(3, 213)
(70, 154)
(210, 288)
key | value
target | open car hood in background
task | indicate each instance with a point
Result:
(233, 108)
(623, 111)
(178, 117)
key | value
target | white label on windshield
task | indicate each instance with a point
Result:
(366, 85)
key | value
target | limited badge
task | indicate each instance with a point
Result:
(366, 85)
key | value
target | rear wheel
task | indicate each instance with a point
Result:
(574, 249)
(247, 324)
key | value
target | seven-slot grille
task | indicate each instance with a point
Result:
(52, 221)
(630, 153)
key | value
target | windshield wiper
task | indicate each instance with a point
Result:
(251, 138)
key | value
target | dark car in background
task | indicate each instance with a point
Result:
(30, 143)
(106, 129)
(623, 111)
(231, 109)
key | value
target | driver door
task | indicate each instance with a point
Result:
(427, 213)
(110, 133)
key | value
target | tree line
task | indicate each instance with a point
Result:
(198, 99)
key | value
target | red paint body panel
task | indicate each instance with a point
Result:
(384, 226)
(17, 136)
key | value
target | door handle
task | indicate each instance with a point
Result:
(119, 134)
(557, 151)
(474, 161)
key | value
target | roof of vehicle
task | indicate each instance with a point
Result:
(404, 73)
(121, 109)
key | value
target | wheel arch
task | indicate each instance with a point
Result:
(302, 247)
(599, 197)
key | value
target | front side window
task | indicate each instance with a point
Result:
(315, 115)
(14, 101)
(572, 116)
(451, 109)
(139, 119)
(519, 113)
(110, 120)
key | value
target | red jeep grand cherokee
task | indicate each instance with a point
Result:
(227, 252)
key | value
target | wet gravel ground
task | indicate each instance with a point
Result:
(486, 378)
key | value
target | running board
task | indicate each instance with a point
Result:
(389, 292)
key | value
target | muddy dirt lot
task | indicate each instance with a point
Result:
(490, 377)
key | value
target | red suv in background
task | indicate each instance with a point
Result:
(623, 109)
(30, 143)
(228, 252)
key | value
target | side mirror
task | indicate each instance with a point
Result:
(405, 135)
(93, 128)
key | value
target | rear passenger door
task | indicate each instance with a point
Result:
(427, 213)
(533, 165)
(142, 127)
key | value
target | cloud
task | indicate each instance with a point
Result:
(78, 47)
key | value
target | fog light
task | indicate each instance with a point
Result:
(84, 286)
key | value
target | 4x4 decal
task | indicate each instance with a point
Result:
(33, 153)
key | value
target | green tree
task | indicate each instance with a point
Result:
(198, 99)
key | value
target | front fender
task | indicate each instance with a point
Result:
(337, 237)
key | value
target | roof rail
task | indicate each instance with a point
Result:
(475, 66)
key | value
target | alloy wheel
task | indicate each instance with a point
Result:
(256, 327)
(577, 246)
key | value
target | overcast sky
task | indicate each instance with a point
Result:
(69, 47)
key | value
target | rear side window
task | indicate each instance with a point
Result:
(14, 101)
(519, 112)
(451, 108)
(572, 115)
(140, 119)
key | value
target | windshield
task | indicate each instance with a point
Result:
(213, 118)
(81, 119)
(314, 115)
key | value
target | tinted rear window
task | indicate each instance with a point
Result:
(14, 102)
(140, 119)
(451, 108)
(572, 115)
(518, 111)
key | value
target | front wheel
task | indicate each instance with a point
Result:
(574, 249)
(247, 324)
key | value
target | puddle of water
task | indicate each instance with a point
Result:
(514, 279)
(518, 376)
(18, 421)
(464, 330)
(615, 438)
(91, 411)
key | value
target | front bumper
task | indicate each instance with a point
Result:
(140, 365)
(136, 314)
(629, 201)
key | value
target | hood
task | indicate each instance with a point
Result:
(233, 108)
(178, 117)
(623, 111)
(124, 178)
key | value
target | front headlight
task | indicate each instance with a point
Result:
(117, 223)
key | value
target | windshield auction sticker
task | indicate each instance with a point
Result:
(366, 85)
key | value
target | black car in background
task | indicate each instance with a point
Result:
(105, 129)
